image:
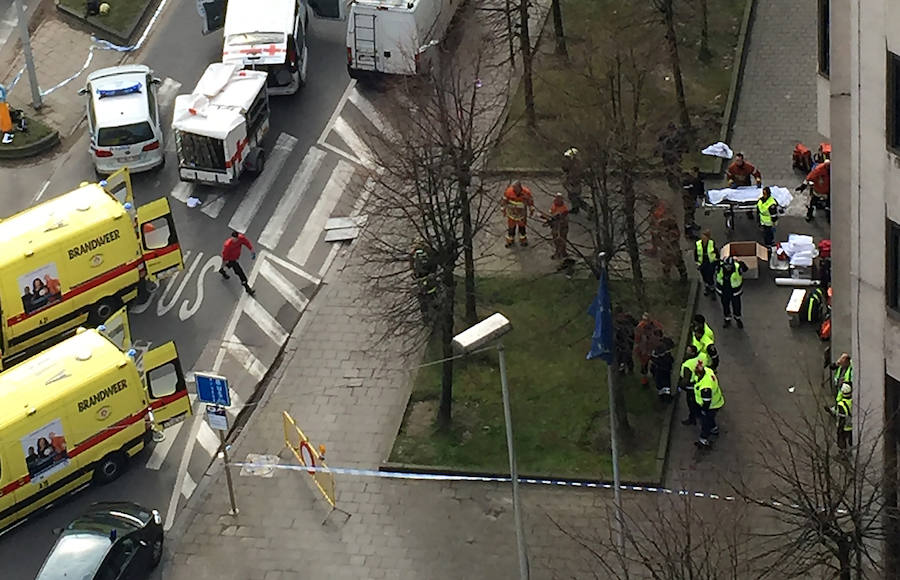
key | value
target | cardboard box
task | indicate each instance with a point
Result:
(750, 253)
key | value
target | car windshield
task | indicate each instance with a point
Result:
(125, 135)
(76, 556)
(255, 38)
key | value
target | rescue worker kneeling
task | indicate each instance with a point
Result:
(709, 398)
(425, 271)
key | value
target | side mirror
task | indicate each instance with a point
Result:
(156, 81)
(83, 91)
(56, 531)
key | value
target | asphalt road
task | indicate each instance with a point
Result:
(319, 172)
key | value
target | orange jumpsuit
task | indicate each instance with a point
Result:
(820, 177)
(559, 227)
(516, 206)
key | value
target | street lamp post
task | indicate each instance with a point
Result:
(29, 58)
(489, 330)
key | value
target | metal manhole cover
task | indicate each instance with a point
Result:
(258, 465)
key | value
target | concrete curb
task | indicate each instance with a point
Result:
(413, 468)
(39, 147)
(662, 451)
(94, 23)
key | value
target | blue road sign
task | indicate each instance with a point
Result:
(212, 389)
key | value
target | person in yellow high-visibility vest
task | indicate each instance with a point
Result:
(709, 397)
(705, 256)
(767, 213)
(843, 410)
(686, 381)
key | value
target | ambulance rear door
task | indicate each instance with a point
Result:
(117, 329)
(165, 384)
(213, 14)
(159, 240)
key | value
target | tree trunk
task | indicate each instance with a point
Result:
(558, 27)
(631, 239)
(525, 48)
(844, 562)
(447, 296)
(704, 53)
(468, 254)
(675, 62)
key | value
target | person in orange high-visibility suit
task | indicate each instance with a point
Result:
(517, 204)
(559, 227)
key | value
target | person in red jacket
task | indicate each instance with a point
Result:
(740, 171)
(231, 251)
(820, 180)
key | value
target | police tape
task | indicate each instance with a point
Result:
(96, 43)
(527, 480)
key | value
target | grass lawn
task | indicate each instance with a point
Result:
(562, 87)
(122, 13)
(36, 132)
(559, 399)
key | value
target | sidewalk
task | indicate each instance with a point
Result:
(347, 388)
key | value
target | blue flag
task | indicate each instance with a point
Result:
(602, 341)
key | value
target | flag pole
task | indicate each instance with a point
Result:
(613, 430)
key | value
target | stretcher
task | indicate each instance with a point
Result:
(734, 200)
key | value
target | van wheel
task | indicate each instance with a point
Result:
(260, 162)
(104, 309)
(110, 467)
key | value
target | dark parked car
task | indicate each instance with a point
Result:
(112, 541)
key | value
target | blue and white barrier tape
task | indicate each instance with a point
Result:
(102, 45)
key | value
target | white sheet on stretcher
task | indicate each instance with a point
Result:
(744, 194)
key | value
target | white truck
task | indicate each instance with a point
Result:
(394, 36)
(219, 127)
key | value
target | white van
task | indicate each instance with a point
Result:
(123, 119)
(271, 39)
(393, 36)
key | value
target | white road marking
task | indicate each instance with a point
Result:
(357, 208)
(43, 190)
(246, 358)
(284, 287)
(188, 487)
(275, 227)
(368, 110)
(331, 194)
(212, 264)
(337, 111)
(213, 207)
(293, 268)
(265, 321)
(341, 153)
(356, 145)
(252, 201)
(208, 439)
(161, 450)
(183, 475)
(162, 308)
(182, 191)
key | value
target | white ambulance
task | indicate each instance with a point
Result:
(220, 126)
(272, 40)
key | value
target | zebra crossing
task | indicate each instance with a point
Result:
(330, 181)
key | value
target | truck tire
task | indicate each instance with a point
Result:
(110, 467)
(259, 161)
(103, 310)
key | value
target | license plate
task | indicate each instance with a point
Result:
(129, 158)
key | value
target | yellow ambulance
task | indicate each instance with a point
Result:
(77, 411)
(76, 259)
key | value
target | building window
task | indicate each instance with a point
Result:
(893, 102)
(825, 38)
(892, 276)
(891, 482)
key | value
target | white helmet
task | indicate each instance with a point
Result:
(846, 389)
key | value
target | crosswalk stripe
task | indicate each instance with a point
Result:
(284, 287)
(331, 194)
(208, 438)
(161, 450)
(265, 321)
(368, 110)
(188, 486)
(314, 280)
(214, 207)
(246, 358)
(356, 145)
(182, 191)
(252, 201)
(275, 227)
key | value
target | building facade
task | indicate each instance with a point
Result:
(859, 110)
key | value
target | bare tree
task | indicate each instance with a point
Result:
(429, 204)
(828, 501)
(704, 54)
(559, 29)
(674, 538)
(527, 64)
(666, 8)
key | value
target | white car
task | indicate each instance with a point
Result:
(123, 119)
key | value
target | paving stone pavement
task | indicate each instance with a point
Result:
(59, 52)
(346, 386)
